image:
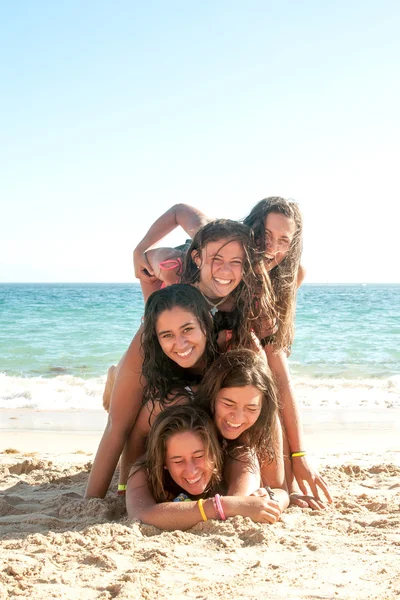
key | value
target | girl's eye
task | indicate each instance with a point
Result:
(236, 262)
(178, 462)
(166, 335)
(199, 456)
(188, 329)
(253, 410)
(228, 405)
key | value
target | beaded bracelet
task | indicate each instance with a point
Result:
(201, 509)
(218, 505)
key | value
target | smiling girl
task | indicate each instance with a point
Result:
(176, 484)
(239, 391)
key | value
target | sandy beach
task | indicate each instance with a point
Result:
(56, 545)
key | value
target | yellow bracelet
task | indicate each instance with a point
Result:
(299, 454)
(201, 509)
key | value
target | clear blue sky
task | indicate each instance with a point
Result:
(110, 112)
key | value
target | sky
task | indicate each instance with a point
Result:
(111, 112)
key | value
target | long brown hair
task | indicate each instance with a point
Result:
(284, 275)
(162, 375)
(253, 297)
(173, 420)
(240, 368)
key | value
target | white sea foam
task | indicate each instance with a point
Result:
(67, 392)
(55, 393)
(348, 393)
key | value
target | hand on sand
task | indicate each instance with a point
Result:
(261, 509)
(304, 472)
(304, 501)
(261, 492)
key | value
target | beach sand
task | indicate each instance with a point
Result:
(56, 545)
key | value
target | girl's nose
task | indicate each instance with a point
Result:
(180, 343)
(237, 416)
(190, 468)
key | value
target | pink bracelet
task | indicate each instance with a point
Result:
(219, 508)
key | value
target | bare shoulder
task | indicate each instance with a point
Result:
(301, 273)
(132, 359)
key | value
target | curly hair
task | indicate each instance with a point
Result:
(173, 420)
(253, 296)
(284, 275)
(240, 368)
(163, 377)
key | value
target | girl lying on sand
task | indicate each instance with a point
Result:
(178, 482)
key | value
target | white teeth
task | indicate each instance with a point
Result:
(234, 425)
(185, 353)
(193, 481)
(222, 281)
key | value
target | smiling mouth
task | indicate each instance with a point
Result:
(233, 426)
(186, 353)
(193, 481)
(269, 259)
(222, 281)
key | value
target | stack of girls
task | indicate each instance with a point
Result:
(202, 414)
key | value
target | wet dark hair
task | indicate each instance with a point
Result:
(173, 420)
(240, 368)
(165, 379)
(284, 275)
(253, 296)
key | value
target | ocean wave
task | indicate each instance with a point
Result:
(334, 392)
(69, 392)
(58, 393)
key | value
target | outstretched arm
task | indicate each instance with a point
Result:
(125, 403)
(141, 505)
(183, 215)
(290, 412)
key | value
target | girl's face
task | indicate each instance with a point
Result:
(187, 462)
(220, 265)
(180, 336)
(279, 233)
(236, 409)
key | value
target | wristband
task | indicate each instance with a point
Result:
(218, 504)
(201, 509)
(121, 490)
(298, 454)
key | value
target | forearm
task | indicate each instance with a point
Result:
(291, 418)
(242, 477)
(183, 515)
(172, 515)
(183, 215)
(289, 409)
(105, 462)
(282, 497)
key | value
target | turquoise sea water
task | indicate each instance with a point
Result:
(58, 340)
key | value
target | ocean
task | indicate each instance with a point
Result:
(58, 340)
